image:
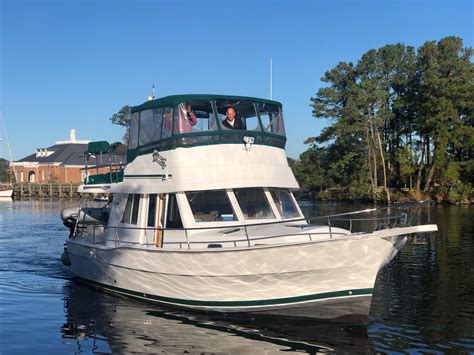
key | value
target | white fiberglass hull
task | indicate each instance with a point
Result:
(8, 192)
(323, 279)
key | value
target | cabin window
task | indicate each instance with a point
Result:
(157, 123)
(173, 218)
(211, 206)
(194, 116)
(253, 203)
(167, 122)
(245, 114)
(133, 133)
(271, 117)
(130, 214)
(149, 129)
(152, 204)
(284, 203)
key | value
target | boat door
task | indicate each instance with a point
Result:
(156, 203)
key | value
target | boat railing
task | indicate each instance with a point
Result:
(109, 165)
(248, 240)
(396, 216)
(400, 215)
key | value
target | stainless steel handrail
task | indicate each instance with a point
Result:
(230, 229)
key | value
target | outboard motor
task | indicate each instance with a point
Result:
(69, 217)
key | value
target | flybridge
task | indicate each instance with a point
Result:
(191, 120)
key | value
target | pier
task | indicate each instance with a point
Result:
(45, 190)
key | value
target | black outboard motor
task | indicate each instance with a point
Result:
(69, 217)
(70, 222)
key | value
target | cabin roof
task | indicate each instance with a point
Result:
(66, 154)
(177, 99)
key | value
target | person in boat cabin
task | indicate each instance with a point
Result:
(187, 119)
(231, 121)
(167, 122)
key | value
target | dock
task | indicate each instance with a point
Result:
(40, 190)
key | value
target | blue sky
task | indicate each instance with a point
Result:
(73, 63)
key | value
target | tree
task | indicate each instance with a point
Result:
(397, 113)
(445, 86)
(5, 170)
(118, 148)
(123, 118)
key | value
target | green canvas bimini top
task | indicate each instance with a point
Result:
(98, 147)
(177, 99)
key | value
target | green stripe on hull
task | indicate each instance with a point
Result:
(230, 304)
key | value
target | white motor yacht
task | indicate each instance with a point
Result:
(204, 217)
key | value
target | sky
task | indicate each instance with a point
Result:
(74, 63)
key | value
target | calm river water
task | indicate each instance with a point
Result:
(423, 300)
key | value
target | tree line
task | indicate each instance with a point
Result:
(401, 125)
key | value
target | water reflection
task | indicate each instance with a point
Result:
(424, 300)
(99, 322)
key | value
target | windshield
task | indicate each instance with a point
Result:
(284, 203)
(237, 114)
(253, 203)
(194, 116)
(210, 206)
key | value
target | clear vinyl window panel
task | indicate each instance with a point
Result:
(167, 122)
(245, 114)
(194, 116)
(133, 132)
(272, 118)
(150, 126)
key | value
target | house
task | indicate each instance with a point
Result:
(61, 163)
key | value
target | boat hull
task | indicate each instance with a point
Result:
(328, 280)
(8, 192)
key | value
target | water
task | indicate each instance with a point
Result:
(423, 300)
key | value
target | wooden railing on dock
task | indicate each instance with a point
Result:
(45, 190)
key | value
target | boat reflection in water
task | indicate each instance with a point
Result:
(100, 322)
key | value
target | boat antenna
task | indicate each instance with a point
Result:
(152, 97)
(8, 145)
(271, 79)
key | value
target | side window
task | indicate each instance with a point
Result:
(210, 206)
(127, 212)
(136, 204)
(284, 203)
(133, 133)
(152, 203)
(272, 120)
(167, 122)
(173, 218)
(146, 127)
(157, 123)
(130, 213)
(253, 203)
